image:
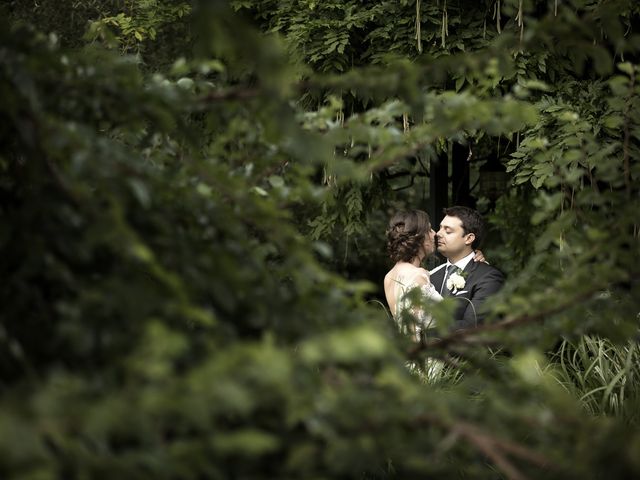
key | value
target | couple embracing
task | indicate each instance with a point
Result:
(465, 275)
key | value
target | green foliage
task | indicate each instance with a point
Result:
(337, 35)
(142, 20)
(164, 314)
(68, 19)
(512, 219)
(155, 30)
(602, 374)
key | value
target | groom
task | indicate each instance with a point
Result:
(461, 231)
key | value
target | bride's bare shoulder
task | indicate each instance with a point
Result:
(407, 274)
(422, 276)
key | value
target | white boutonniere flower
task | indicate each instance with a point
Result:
(455, 282)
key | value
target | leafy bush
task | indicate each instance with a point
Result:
(163, 315)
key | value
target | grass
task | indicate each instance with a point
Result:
(604, 376)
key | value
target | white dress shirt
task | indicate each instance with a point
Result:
(461, 264)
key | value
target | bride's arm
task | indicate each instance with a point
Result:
(429, 294)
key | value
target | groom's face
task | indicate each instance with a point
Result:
(453, 243)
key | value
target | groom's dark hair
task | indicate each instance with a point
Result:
(472, 222)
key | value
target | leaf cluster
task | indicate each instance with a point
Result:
(164, 315)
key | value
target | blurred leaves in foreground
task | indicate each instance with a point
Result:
(163, 314)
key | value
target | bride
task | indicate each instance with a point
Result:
(407, 286)
(410, 239)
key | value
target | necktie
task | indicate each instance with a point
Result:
(451, 269)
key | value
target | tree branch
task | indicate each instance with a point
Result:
(494, 448)
(231, 94)
(466, 335)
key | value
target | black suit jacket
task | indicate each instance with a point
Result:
(481, 280)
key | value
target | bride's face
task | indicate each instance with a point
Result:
(429, 244)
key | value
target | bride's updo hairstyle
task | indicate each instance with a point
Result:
(405, 235)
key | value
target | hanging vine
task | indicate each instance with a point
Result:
(445, 24)
(418, 26)
(496, 15)
(520, 20)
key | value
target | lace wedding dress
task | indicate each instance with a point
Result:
(406, 300)
(411, 297)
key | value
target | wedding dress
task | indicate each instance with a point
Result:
(404, 288)
(405, 301)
